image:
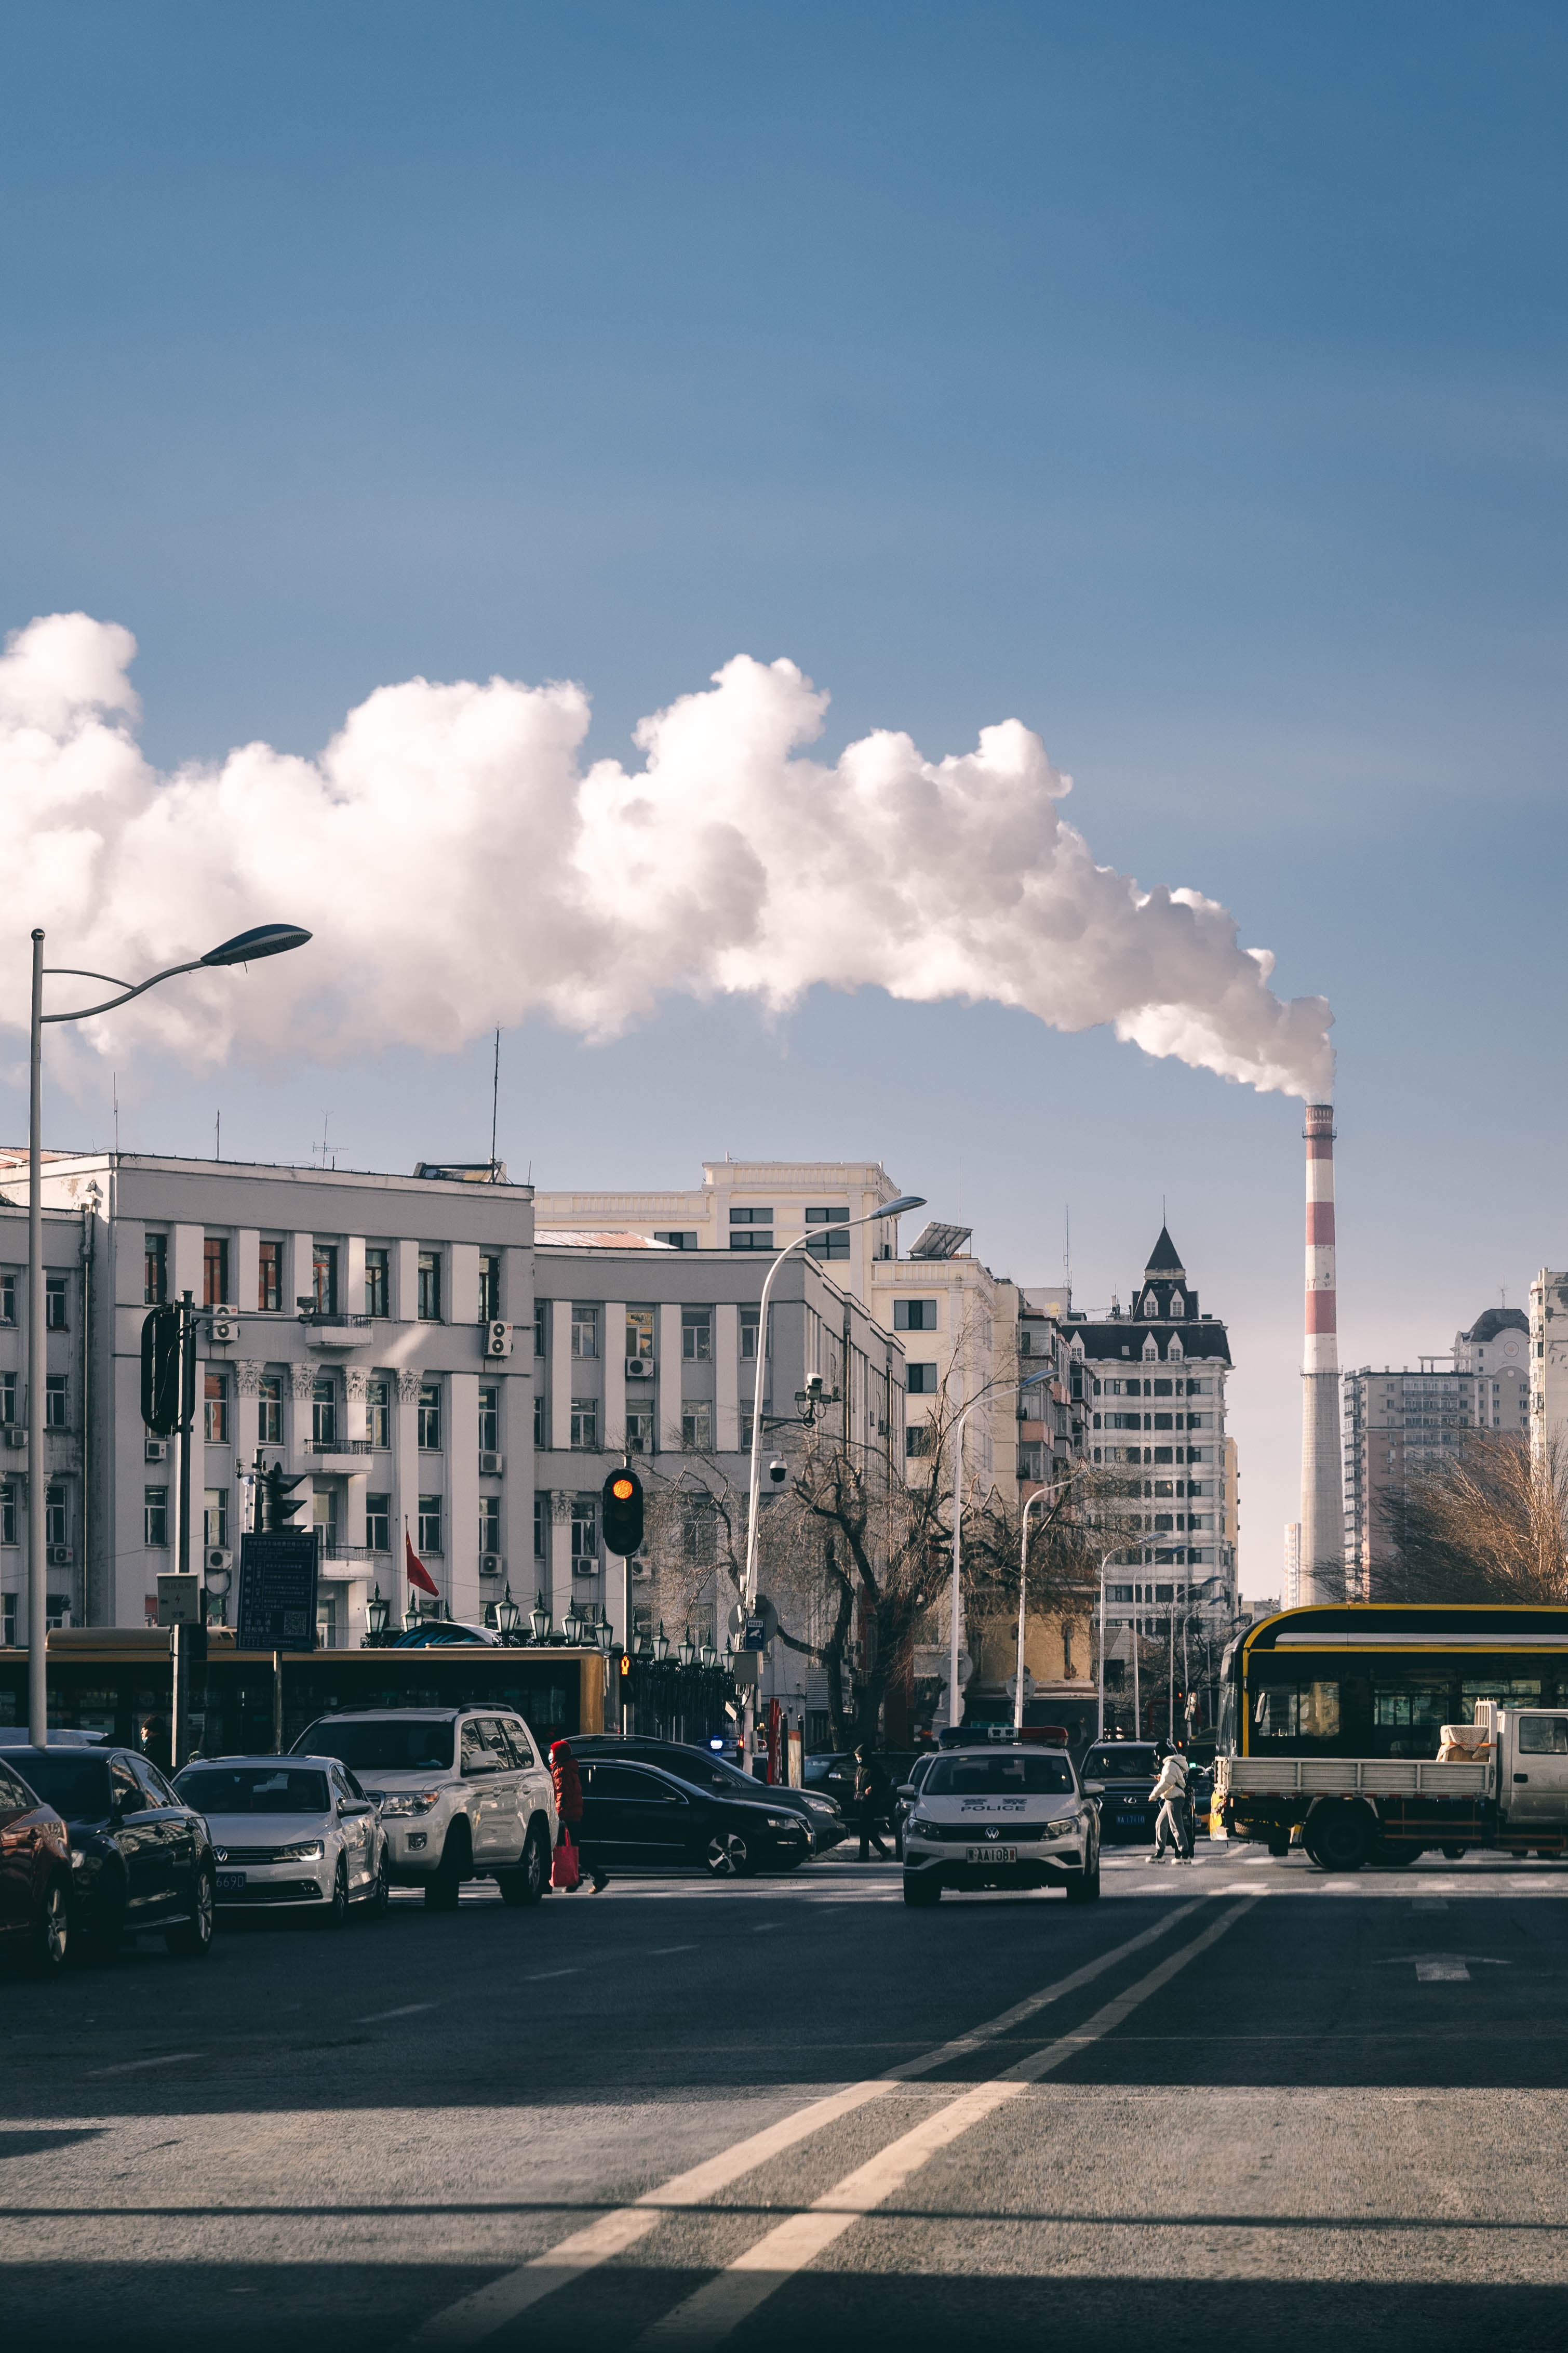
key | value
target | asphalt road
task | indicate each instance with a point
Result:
(1232, 2102)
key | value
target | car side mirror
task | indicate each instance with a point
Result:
(906, 1789)
(1094, 1788)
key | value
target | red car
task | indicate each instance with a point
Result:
(35, 1876)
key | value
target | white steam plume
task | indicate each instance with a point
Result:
(460, 868)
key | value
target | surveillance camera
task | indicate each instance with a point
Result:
(778, 1471)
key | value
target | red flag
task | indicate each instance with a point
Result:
(417, 1573)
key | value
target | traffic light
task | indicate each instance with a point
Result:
(623, 1513)
(168, 1401)
(276, 1501)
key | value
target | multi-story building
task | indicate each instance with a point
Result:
(1400, 1426)
(1548, 1359)
(68, 1312)
(344, 1333)
(1292, 1563)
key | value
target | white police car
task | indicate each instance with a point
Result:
(992, 1817)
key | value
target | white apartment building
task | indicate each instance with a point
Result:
(352, 1348)
(1548, 1358)
(1403, 1425)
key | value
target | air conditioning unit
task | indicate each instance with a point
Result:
(498, 1339)
(491, 1465)
(639, 1368)
(641, 1571)
(15, 1436)
(218, 1557)
(223, 1328)
(491, 1564)
(60, 1555)
(156, 1450)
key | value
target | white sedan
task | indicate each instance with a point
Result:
(291, 1831)
(1001, 1818)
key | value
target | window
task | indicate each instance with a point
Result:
(489, 1286)
(378, 1522)
(828, 1245)
(746, 1229)
(541, 1428)
(696, 1334)
(269, 1410)
(156, 1516)
(585, 1535)
(697, 1428)
(430, 1416)
(541, 1525)
(56, 1400)
(922, 1380)
(7, 1294)
(489, 1417)
(914, 1315)
(324, 1410)
(55, 1301)
(215, 1408)
(55, 1528)
(378, 1413)
(214, 1271)
(7, 1396)
(917, 1440)
(489, 1524)
(586, 1423)
(324, 1277)
(1543, 1735)
(8, 1513)
(377, 1280)
(430, 1523)
(538, 1335)
(430, 1286)
(749, 1320)
(324, 1516)
(640, 1335)
(155, 1270)
(677, 1240)
(269, 1277)
(215, 1516)
(585, 1330)
(1297, 1712)
(746, 1432)
(639, 1429)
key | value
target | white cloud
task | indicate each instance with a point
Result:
(460, 868)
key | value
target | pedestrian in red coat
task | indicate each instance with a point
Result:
(569, 1803)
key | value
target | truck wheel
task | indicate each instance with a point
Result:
(441, 1894)
(1451, 1853)
(1343, 1836)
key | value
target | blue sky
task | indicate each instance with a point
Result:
(1187, 383)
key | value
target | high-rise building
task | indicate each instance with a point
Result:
(1548, 1359)
(1403, 1426)
(1292, 1563)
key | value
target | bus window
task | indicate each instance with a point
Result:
(1409, 1714)
(1297, 1712)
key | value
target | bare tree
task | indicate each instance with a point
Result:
(1493, 1526)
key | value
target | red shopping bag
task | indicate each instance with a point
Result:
(564, 1873)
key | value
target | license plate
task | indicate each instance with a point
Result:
(229, 1882)
(991, 1854)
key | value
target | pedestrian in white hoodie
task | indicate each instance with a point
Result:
(1169, 1793)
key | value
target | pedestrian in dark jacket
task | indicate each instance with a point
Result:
(569, 1804)
(868, 1800)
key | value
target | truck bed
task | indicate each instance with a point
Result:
(1346, 1777)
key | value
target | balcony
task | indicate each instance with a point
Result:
(337, 1453)
(324, 1328)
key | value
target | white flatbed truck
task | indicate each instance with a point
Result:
(1511, 1797)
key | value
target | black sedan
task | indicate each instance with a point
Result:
(703, 1768)
(1123, 1773)
(35, 1876)
(140, 1857)
(635, 1813)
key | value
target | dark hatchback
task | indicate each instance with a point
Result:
(140, 1857)
(639, 1814)
(35, 1875)
(704, 1770)
(1123, 1772)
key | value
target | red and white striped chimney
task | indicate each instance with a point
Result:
(1322, 1476)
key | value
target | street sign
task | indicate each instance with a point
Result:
(754, 1628)
(278, 1590)
(179, 1600)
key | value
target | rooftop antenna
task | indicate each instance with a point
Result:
(217, 1139)
(495, 1106)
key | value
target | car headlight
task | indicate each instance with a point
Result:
(822, 1805)
(1060, 1830)
(78, 1856)
(303, 1851)
(784, 1822)
(413, 1802)
(918, 1822)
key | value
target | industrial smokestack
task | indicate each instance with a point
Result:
(1322, 1477)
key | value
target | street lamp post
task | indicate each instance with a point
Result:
(986, 1395)
(873, 1217)
(1044, 1496)
(247, 948)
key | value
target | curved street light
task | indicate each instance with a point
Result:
(246, 947)
(954, 1609)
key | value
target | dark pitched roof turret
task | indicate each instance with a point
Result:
(1162, 1258)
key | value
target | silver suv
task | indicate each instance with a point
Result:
(464, 1793)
